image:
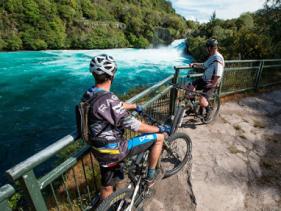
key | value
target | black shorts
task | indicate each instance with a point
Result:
(200, 84)
(111, 175)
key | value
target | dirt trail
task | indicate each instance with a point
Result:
(236, 160)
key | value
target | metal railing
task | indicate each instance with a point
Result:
(74, 178)
(244, 75)
(71, 184)
(6, 192)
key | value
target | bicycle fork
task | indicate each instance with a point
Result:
(134, 196)
(181, 118)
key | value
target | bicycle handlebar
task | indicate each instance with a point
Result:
(177, 86)
(150, 118)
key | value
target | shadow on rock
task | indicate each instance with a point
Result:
(265, 183)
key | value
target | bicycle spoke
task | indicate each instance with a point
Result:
(175, 155)
(120, 205)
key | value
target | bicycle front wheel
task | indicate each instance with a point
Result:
(176, 153)
(119, 200)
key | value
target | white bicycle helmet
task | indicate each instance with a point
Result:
(103, 64)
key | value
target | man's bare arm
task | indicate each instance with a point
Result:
(145, 128)
(129, 106)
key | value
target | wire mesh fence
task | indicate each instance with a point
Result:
(271, 73)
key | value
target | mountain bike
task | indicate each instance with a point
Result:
(175, 154)
(190, 102)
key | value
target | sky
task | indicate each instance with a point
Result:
(225, 9)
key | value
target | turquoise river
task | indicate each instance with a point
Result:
(38, 91)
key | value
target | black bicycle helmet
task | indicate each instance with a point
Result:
(103, 64)
(212, 43)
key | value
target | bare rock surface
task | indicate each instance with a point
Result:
(236, 160)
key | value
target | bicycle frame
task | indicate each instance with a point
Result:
(138, 189)
(191, 101)
(134, 196)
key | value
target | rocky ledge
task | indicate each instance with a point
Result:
(236, 160)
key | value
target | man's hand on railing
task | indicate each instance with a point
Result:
(182, 67)
(196, 65)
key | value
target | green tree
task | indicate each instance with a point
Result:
(66, 12)
(245, 20)
(252, 46)
(138, 42)
(213, 17)
(197, 47)
(88, 9)
(3, 44)
(39, 44)
(14, 6)
(14, 42)
(31, 12)
(54, 34)
(54, 24)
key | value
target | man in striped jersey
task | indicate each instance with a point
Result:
(107, 119)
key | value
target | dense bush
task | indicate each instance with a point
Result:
(48, 24)
(251, 36)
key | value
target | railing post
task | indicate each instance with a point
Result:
(174, 92)
(259, 73)
(33, 190)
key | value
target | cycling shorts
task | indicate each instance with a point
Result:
(112, 175)
(200, 84)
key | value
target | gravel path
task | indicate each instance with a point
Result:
(236, 160)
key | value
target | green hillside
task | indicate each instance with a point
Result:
(251, 36)
(87, 24)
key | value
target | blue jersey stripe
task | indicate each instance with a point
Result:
(142, 139)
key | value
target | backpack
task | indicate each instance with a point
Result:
(82, 116)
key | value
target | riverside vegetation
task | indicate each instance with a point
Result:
(251, 36)
(87, 24)
(90, 24)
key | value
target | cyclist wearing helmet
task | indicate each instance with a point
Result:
(107, 119)
(211, 78)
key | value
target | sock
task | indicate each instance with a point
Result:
(200, 110)
(150, 173)
(207, 109)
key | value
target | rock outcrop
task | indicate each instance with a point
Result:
(236, 160)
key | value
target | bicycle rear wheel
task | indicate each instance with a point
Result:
(176, 153)
(119, 200)
(214, 104)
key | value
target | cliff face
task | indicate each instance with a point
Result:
(47, 24)
(162, 36)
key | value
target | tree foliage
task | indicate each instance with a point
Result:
(53, 24)
(250, 36)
